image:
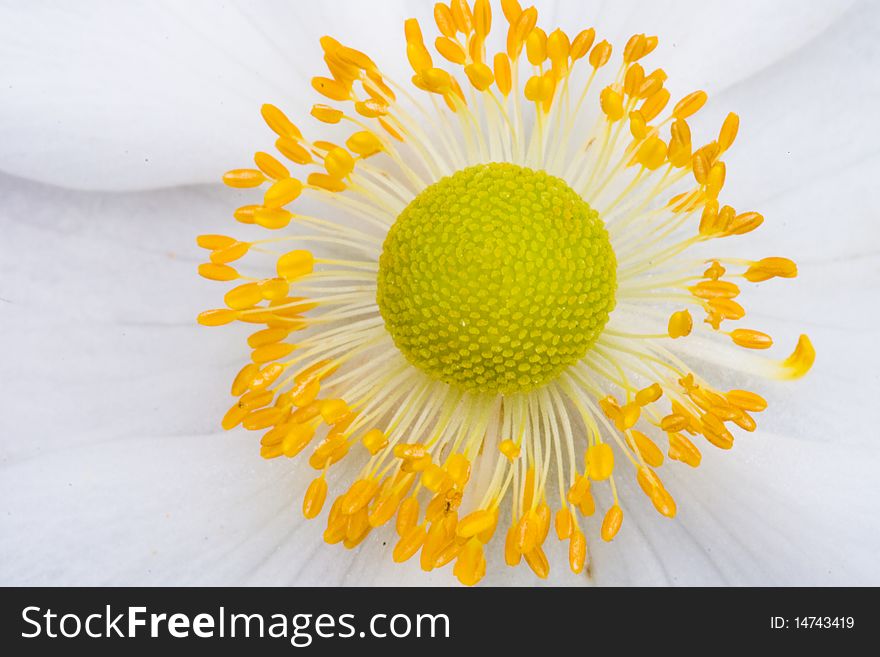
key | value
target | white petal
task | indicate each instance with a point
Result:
(111, 96)
(135, 96)
(705, 44)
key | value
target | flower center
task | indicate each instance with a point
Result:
(496, 279)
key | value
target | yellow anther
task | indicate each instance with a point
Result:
(480, 76)
(266, 337)
(652, 487)
(564, 523)
(800, 361)
(459, 468)
(502, 73)
(272, 218)
(511, 10)
(680, 324)
(525, 23)
(638, 46)
(533, 88)
(217, 272)
(279, 123)
(600, 461)
(359, 495)
(407, 515)
(471, 564)
(714, 271)
(314, 498)
(293, 151)
(486, 535)
(357, 59)
(409, 543)
(579, 489)
(419, 57)
(282, 192)
(611, 103)
(768, 268)
(633, 80)
(482, 18)
(528, 531)
(715, 290)
(296, 438)
(436, 541)
(270, 166)
(726, 309)
(306, 413)
(444, 19)
(600, 54)
(715, 180)
(653, 85)
(383, 509)
(357, 530)
(544, 517)
(558, 49)
(745, 223)
(364, 143)
(450, 50)
(649, 395)
(629, 415)
(751, 339)
(436, 479)
(339, 163)
(637, 125)
(241, 382)
(332, 410)
(327, 114)
(464, 18)
(295, 264)
(233, 417)
(372, 108)
(538, 562)
(475, 523)
(332, 89)
(326, 182)
(262, 418)
(582, 44)
(230, 253)
(689, 105)
(243, 296)
(536, 46)
(728, 132)
(747, 400)
(611, 409)
(305, 392)
(648, 449)
(652, 153)
(512, 555)
(333, 448)
(674, 422)
(510, 449)
(271, 352)
(611, 523)
(715, 432)
(682, 449)
(215, 242)
(375, 440)
(243, 178)
(577, 551)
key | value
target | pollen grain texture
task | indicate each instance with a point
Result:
(496, 278)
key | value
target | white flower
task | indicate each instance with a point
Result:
(115, 121)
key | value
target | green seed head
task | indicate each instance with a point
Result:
(496, 279)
